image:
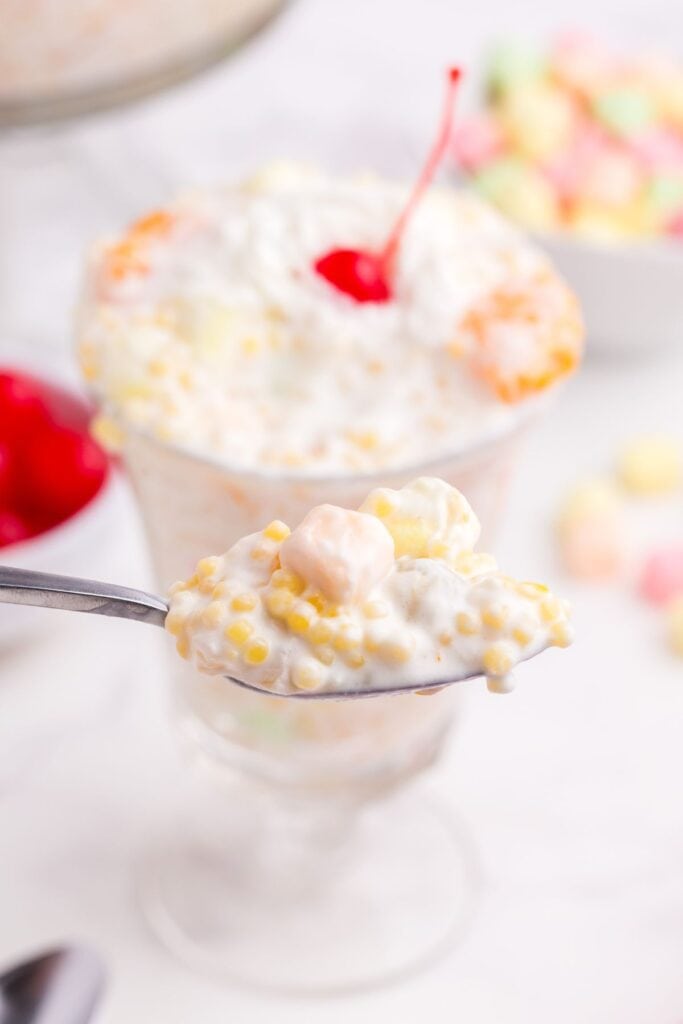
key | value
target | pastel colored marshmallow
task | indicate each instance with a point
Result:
(340, 553)
(514, 63)
(651, 465)
(592, 538)
(660, 149)
(424, 517)
(674, 624)
(625, 111)
(662, 575)
(538, 120)
(521, 192)
(593, 550)
(613, 179)
(598, 222)
(675, 225)
(589, 500)
(567, 169)
(476, 141)
(665, 194)
(580, 61)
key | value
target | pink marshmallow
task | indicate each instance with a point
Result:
(340, 553)
(476, 141)
(567, 171)
(659, 149)
(580, 61)
(662, 575)
(613, 179)
(675, 225)
(593, 549)
(564, 175)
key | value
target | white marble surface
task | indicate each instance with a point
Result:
(571, 786)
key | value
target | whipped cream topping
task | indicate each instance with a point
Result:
(207, 325)
(390, 595)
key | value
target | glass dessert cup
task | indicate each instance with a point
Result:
(302, 861)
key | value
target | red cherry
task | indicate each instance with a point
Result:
(358, 274)
(366, 276)
(22, 409)
(13, 528)
(62, 471)
(8, 475)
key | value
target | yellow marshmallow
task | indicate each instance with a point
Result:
(674, 623)
(651, 465)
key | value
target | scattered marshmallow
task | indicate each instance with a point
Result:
(591, 530)
(651, 465)
(662, 575)
(674, 622)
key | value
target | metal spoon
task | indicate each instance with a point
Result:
(62, 986)
(46, 590)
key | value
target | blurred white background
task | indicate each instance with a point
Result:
(571, 787)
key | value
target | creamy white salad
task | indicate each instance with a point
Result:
(391, 595)
(207, 326)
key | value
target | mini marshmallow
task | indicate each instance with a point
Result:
(342, 554)
(664, 195)
(595, 498)
(424, 516)
(512, 64)
(521, 192)
(662, 575)
(624, 111)
(580, 62)
(674, 624)
(591, 531)
(593, 550)
(538, 120)
(614, 179)
(675, 225)
(476, 141)
(660, 149)
(651, 465)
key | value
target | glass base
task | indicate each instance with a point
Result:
(320, 901)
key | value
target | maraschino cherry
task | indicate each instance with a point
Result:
(366, 276)
(49, 465)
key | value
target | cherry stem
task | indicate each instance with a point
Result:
(433, 160)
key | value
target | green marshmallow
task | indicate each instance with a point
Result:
(665, 193)
(499, 178)
(512, 64)
(624, 112)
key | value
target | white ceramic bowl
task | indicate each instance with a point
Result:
(631, 293)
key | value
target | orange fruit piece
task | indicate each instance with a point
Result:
(524, 336)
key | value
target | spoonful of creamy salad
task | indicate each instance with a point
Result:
(390, 598)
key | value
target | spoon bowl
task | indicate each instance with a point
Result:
(46, 590)
(61, 986)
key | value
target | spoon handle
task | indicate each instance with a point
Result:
(44, 589)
